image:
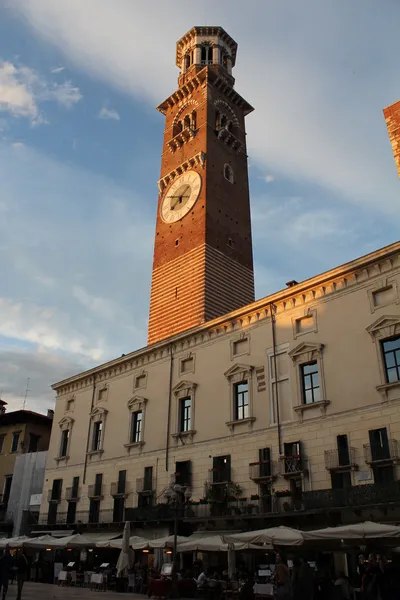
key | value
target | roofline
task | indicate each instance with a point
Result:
(386, 251)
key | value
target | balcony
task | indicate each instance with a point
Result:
(72, 494)
(94, 492)
(159, 512)
(356, 496)
(293, 466)
(118, 491)
(181, 138)
(340, 461)
(219, 476)
(145, 485)
(265, 470)
(381, 455)
(182, 479)
(53, 496)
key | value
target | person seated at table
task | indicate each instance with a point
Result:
(202, 580)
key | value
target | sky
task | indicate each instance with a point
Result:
(80, 145)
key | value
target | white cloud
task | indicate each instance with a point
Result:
(108, 113)
(318, 114)
(269, 178)
(22, 90)
(58, 69)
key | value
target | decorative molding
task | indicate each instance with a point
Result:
(306, 352)
(70, 404)
(140, 380)
(184, 388)
(188, 357)
(239, 422)
(66, 423)
(137, 403)
(384, 327)
(386, 388)
(338, 281)
(102, 393)
(240, 339)
(381, 286)
(98, 414)
(221, 104)
(322, 405)
(197, 159)
(190, 102)
(239, 372)
(309, 313)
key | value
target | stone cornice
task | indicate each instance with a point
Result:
(198, 159)
(336, 281)
(183, 92)
(210, 30)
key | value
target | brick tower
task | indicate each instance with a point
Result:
(392, 118)
(203, 260)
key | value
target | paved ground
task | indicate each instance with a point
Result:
(42, 591)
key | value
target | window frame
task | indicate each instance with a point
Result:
(184, 389)
(384, 328)
(185, 421)
(136, 427)
(239, 373)
(384, 358)
(99, 414)
(66, 423)
(310, 377)
(304, 354)
(15, 435)
(64, 444)
(241, 400)
(135, 405)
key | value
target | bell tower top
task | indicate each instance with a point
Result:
(206, 46)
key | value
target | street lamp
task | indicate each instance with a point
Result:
(178, 497)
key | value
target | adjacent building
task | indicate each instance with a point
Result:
(21, 432)
(281, 410)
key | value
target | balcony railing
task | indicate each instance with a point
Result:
(375, 454)
(94, 491)
(262, 470)
(183, 479)
(291, 466)
(72, 494)
(53, 496)
(335, 460)
(145, 485)
(358, 495)
(118, 490)
(219, 476)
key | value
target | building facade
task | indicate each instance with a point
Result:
(283, 410)
(21, 432)
(392, 118)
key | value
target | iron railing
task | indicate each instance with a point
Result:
(219, 476)
(375, 453)
(358, 495)
(94, 491)
(145, 485)
(72, 494)
(262, 470)
(53, 496)
(118, 490)
(337, 460)
(292, 465)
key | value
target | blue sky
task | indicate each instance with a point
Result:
(80, 145)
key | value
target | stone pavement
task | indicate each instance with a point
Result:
(42, 591)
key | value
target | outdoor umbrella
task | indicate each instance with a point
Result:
(213, 543)
(14, 542)
(164, 542)
(231, 561)
(124, 559)
(134, 539)
(278, 536)
(359, 531)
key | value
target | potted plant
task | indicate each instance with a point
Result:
(254, 497)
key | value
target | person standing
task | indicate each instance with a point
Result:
(22, 565)
(6, 565)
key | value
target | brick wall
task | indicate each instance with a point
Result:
(392, 118)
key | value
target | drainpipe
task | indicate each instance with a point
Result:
(278, 420)
(171, 367)
(88, 433)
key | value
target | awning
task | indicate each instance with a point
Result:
(215, 543)
(359, 531)
(164, 542)
(278, 536)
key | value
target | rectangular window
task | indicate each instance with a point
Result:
(379, 441)
(293, 457)
(121, 482)
(136, 427)
(64, 442)
(240, 347)
(241, 400)
(97, 431)
(187, 365)
(185, 417)
(2, 438)
(384, 296)
(343, 450)
(33, 442)
(71, 513)
(118, 510)
(94, 511)
(222, 469)
(75, 487)
(14, 443)
(52, 514)
(391, 356)
(56, 489)
(183, 473)
(98, 484)
(340, 481)
(310, 382)
(264, 457)
(148, 479)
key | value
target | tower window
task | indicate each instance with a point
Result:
(224, 121)
(176, 242)
(217, 120)
(206, 54)
(194, 120)
(187, 61)
(228, 173)
(186, 122)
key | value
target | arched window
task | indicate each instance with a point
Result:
(206, 54)
(177, 128)
(224, 121)
(194, 120)
(228, 173)
(217, 120)
(187, 61)
(186, 122)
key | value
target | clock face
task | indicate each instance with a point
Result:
(180, 197)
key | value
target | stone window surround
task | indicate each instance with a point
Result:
(302, 354)
(242, 337)
(281, 349)
(184, 389)
(135, 404)
(103, 388)
(308, 313)
(385, 327)
(185, 357)
(141, 376)
(236, 374)
(382, 285)
(98, 414)
(66, 424)
(70, 399)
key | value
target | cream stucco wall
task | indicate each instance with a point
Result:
(341, 304)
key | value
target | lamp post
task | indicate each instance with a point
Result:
(178, 497)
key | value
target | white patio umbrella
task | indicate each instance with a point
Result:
(15, 542)
(278, 536)
(164, 542)
(231, 561)
(360, 531)
(134, 539)
(124, 559)
(213, 543)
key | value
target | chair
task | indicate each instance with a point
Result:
(131, 582)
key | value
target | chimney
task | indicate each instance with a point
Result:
(292, 283)
(50, 413)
